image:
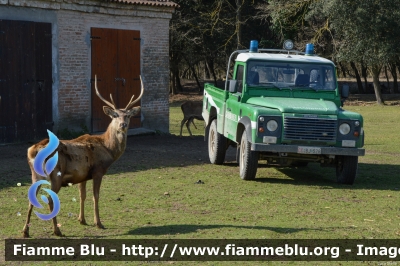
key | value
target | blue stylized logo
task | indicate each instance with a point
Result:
(44, 168)
(32, 197)
(43, 154)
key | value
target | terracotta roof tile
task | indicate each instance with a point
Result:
(147, 2)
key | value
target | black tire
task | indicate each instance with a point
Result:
(248, 159)
(346, 169)
(216, 144)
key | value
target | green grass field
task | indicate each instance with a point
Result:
(282, 203)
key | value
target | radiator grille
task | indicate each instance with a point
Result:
(310, 129)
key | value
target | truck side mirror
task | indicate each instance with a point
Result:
(232, 85)
(345, 91)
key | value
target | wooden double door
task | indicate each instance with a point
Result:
(116, 63)
(25, 80)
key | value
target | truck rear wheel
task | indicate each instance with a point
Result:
(216, 145)
(248, 159)
(346, 169)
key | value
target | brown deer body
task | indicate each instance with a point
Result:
(86, 157)
(191, 111)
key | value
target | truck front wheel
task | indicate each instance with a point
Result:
(248, 159)
(346, 169)
(216, 145)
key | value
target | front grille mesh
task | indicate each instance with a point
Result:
(309, 129)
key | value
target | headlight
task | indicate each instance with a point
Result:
(357, 123)
(344, 129)
(272, 125)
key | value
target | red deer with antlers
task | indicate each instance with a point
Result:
(86, 157)
(191, 111)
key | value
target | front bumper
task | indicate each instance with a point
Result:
(295, 149)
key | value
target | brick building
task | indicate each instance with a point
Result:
(52, 49)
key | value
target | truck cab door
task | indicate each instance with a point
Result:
(233, 105)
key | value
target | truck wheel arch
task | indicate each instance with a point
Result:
(243, 124)
(212, 115)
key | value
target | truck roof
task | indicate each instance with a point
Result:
(243, 57)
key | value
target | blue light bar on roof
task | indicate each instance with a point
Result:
(253, 46)
(309, 49)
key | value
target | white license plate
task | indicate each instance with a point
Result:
(309, 150)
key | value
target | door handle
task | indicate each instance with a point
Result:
(229, 109)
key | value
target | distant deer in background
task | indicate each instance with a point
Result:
(191, 111)
(86, 157)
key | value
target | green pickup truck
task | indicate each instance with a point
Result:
(283, 107)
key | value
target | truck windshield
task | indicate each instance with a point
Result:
(291, 75)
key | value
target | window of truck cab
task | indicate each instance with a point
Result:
(293, 75)
(239, 73)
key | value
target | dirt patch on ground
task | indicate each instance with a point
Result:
(179, 98)
(370, 99)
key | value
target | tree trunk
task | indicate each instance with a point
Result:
(343, 69)
(193, 70)
(172, 89)
(398, 64)
(359, 83)
(392, 68)
(178, 84)
(175, 83)
(211, 69)
(239, 24)
(387, 78)
(207, 71)
(376, 70)
(364, 74)
(185, 74)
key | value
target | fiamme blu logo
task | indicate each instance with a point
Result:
(43, 166)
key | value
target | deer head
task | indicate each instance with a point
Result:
(120, 117)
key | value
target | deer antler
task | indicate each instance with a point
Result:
(130, 104)
(101, 98)
(112, 100)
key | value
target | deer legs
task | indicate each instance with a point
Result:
(182, 123)
(82, 194)
(188, 121)
(96, 194)
(57, 231)
(25, 231)
(191, 119)
(55, 186)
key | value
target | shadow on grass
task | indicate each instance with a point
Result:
(370, 176)
(175, 229)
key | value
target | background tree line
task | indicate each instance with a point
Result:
(362, 37)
